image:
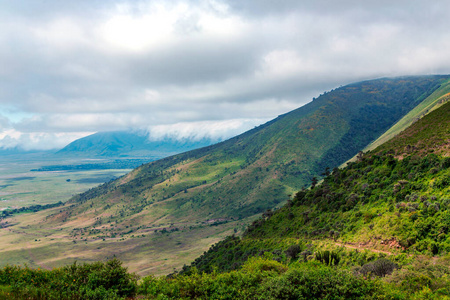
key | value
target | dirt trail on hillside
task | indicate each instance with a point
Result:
(362, 247)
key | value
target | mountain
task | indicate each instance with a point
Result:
(129, 144)
(258, 169)
(165, 213)
(393, 198)
(377, 229)
(434, 101)
(386, 215)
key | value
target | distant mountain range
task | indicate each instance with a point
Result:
(130, 144)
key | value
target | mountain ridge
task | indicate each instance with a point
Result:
(130, 144)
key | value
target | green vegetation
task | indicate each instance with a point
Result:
(432, 102)
(262, 278)
(32, 208)
(258, 278)
(87, 281)
(393, 203)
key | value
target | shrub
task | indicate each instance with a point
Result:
(293, 251)
(380, 268)
(316, 281)
(259, 264)
(328, 257)
(98, 280)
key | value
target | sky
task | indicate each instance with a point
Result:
(194, 69)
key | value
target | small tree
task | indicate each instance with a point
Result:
(314, 182)
(293, 251)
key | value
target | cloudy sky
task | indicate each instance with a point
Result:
(205, 67)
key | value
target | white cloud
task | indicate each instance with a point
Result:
(84, 66)
(215, 130)
(11, 139)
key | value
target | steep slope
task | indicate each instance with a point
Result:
(396, 198)
(129, 144)
(255, 171)
(169, 211)
(432, 102)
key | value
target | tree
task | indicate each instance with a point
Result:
(314, 182)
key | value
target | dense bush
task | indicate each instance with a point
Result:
(381, 267)
(329, 258)
(266, 279)
(98, 280)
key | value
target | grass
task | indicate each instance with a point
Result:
(19, 187)
(429, 104)
(154, 253)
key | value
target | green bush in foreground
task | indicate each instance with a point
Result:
(99, 280)
(261, 278)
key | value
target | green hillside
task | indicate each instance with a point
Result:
(387, 213)
(257, 170)
(433, 101)
(165, 213)
(377, 229)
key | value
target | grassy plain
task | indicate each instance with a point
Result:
(25, 239)
(20, 187)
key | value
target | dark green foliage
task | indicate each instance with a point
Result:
(32, 208)
(381, 267)
(231, 254)
(329, 258)
(293, 251)
(98, 280)
(265, 279)
(312, 281)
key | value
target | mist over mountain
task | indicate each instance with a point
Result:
(131, 144)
